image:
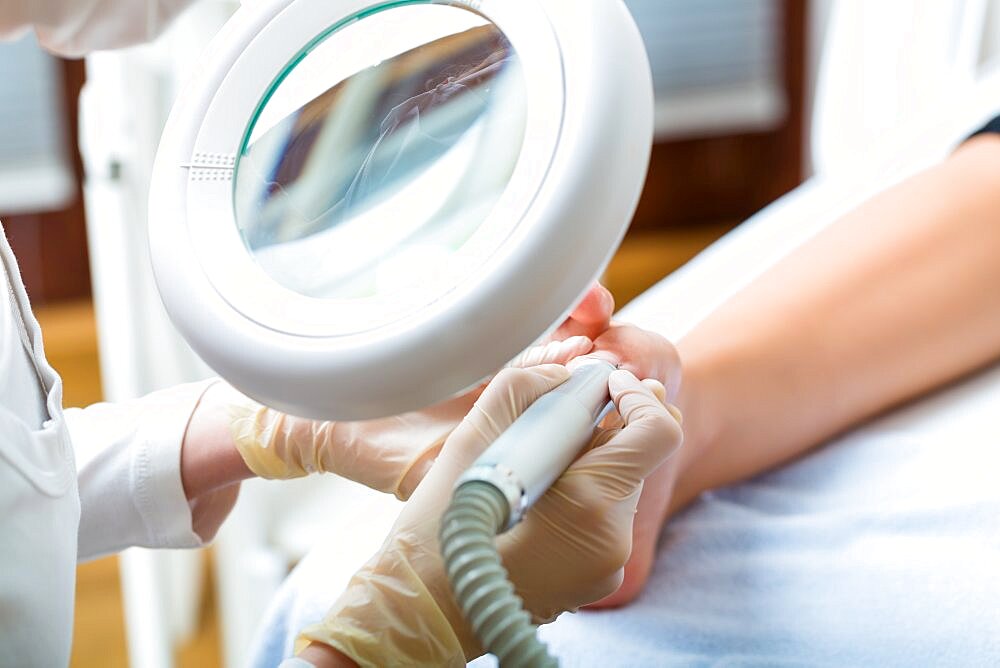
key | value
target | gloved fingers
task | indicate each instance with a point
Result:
(657, 388)
(651, 433)
(637, 401)
(613, 420)
(582, 527)
(389, 454)
(406, 446)
(388, 616)
(415, 472)
(507, 396)
(660, 391)
(602, 435)
(553, 352)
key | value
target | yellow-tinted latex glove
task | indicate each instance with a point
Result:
(569, 550)
(581, 529)
(390, 454)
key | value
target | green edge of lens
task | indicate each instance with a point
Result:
(305, 51)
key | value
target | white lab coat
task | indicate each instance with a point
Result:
(75, 27)
(73, 485)
(79, 483)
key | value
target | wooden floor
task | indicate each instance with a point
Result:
(71, 345)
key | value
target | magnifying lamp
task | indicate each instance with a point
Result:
(363, 207)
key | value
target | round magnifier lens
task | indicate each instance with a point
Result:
(374, 162)
(361, 207)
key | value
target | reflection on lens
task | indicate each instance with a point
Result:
(381, 151)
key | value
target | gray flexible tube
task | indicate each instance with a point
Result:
(478, 512)
(492, 495)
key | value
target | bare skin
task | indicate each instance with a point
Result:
(896, 299)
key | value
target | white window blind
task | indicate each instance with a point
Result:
(716, 64)
(35, 174)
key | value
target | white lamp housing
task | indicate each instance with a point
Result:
(588, 133)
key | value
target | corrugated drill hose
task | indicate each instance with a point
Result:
(469, 528)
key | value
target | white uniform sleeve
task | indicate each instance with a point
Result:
(75, 27)
(128, 465)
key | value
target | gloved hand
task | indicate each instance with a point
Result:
(569, 550)
(582, 527)
(390, 454)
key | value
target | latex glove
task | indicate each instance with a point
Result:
(569, 550)
(389, 454)
(582, 527)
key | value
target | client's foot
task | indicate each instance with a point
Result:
(649, 518)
